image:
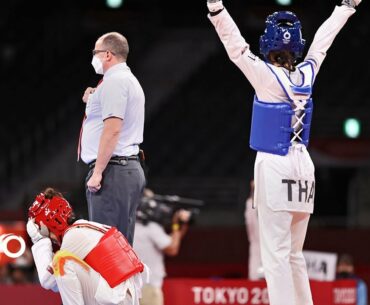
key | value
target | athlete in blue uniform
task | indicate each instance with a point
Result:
(282, 111)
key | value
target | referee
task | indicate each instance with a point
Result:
(110, 136)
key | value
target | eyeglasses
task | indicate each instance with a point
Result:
(94, 52)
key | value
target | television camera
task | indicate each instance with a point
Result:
(161, 208)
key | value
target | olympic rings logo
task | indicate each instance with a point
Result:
(286, 37)
(4, 241)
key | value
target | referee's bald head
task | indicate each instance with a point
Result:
(116, 43)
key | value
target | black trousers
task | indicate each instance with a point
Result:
(115, 204)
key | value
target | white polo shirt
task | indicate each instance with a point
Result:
(119, 95)
(149, 242)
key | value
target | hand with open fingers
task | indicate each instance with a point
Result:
(34, 231)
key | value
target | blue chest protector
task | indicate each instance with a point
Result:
(276, 126)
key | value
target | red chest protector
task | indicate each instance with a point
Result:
(113, 257)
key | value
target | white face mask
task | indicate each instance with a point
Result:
(98, 65)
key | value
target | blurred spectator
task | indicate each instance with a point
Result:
(4, 274)
(346, 270)
(152, 243)
(21, 269)
(255, 270)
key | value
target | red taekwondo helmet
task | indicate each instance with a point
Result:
(53, 213)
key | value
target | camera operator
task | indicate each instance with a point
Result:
(152, 243)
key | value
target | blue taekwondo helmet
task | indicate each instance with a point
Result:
(282, 33)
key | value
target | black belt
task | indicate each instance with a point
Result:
(117, 160)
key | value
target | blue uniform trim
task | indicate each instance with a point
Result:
(304, 90)
(313, 73)
(310, 60)
(278, 79)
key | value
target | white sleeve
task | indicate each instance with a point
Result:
(114, 97)
(326, 34)
(229, 34)
(254, 69)
(42, 252)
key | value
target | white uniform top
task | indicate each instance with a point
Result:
(77, 241)
(149, 242)
(256, 71)
(273, 173)
(80, 241)
(119, 95)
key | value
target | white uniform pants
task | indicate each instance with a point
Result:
(254, 255)
(79, 286)
(282, 236)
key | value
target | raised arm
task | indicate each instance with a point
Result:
(236, 46)
(42, 254)
(227, 30)
(327, 32)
